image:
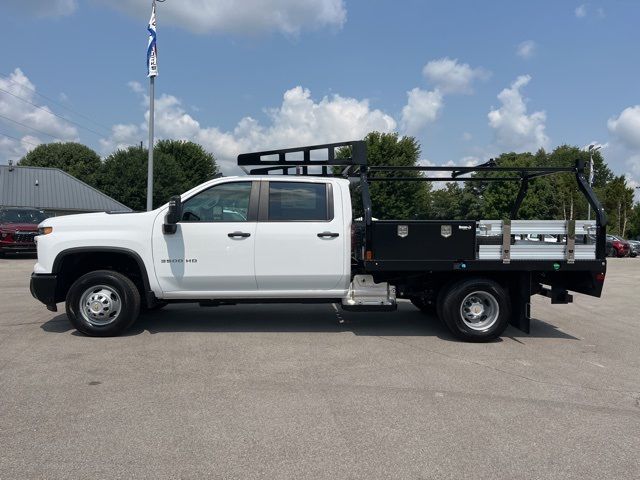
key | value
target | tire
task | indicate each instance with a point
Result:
(442, 293)
(103, 303)
(612, 252)
(476, 310)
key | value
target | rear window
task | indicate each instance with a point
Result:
(297, 201)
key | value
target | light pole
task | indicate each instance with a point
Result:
(592, 148)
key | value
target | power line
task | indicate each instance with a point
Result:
(18, 139)
(31, 128)
(6, 78)
(51, 112)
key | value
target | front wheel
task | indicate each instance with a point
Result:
(476, 310)
(103, 303)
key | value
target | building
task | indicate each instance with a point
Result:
(52, 190)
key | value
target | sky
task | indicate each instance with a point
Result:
(468, 79)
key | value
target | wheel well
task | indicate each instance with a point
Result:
(71, 266)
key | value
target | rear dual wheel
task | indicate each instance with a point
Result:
(475, 310)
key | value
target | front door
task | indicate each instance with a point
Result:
(213, 247)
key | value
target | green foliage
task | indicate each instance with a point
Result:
(124, 177)
(634, 222)
(617, 199)
(196, 163)
(393, 199)
(73, 158)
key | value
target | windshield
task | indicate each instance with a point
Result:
(22, 216)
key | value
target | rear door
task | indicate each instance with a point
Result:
(300, 237)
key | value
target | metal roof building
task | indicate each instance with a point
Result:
(52, 190)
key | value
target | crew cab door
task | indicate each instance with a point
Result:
(301, 237)
(212, 250)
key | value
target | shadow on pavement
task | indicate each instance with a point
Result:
(58, 324)
(298, 318)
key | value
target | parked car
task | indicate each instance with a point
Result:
(18, 228)
(617, 247)
(635, 247)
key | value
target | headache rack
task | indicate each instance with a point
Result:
(322, 160)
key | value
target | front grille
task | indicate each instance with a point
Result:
(24, 237)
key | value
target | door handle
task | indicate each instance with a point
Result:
(328, 235)
(238, 234)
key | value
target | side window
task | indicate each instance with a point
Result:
(228, 202)
(297, 201)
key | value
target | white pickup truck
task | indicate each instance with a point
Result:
(291, 238)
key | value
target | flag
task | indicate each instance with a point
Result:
(152, 49)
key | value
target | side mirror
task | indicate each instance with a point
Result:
(173, 216)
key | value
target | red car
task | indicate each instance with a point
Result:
(18, 227)
(617, 247)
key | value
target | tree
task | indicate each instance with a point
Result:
(617, 199)
(124, 177)
(75, 159)
(393, 199)
(634, 222)
(196, 163)
(498, 198)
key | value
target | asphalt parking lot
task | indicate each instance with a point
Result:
(290, 392)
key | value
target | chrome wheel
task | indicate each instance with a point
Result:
(100, 305)
(479, 310)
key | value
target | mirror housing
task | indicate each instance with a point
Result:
(173, 216)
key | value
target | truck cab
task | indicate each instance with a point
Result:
(236, 238)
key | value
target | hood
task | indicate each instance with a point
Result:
(101, 220)
(23, 227)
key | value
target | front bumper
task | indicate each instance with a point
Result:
(17, 247)
(43, 287)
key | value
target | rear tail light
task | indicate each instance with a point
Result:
(600, 277)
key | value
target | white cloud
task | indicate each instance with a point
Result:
(581, 11)
(299, 120)
(449, 76)
(135, 87)
(514, 127)
(18, 110)
(246, 17)
(422, 108)
(626, 147)
(44, 8)
(626, 127)
(526, 49)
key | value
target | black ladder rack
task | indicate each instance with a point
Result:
(283, 163)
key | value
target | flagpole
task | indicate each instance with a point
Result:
(152, 71)
(152, 94)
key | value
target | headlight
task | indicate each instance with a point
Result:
(45, 230)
